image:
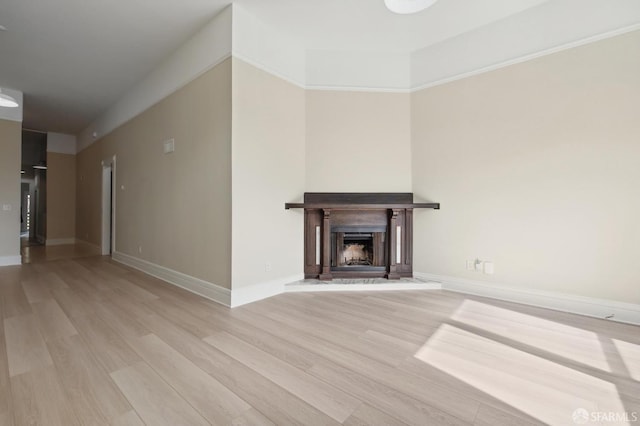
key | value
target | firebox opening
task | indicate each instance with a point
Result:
(358, 248)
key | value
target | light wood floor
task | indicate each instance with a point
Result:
(86, 341)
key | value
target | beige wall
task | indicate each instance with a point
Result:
(268, 170)
(61, 196)
(358, 142)
(537, 169)
(10, 144)
(176, 207)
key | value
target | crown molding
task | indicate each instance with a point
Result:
(233, 32)
(529, 57)
(208, 48)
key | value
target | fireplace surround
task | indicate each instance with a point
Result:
(358, 235)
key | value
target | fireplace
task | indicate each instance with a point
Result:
(358, 235)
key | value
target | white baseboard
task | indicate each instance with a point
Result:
(195, 285)
(253, 293)
(599, 308)
(10, 260)
(295, 288)
(60, 241)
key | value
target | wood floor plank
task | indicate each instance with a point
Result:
(131, 290)
(490, 416)
(108, 347)
(14, 301)
(185, 318)
(26, 349)
(210, 398)
(52, 320)
(252, 418)
(130, 418)
(268, 342)
(367, 415)
(153, 399)
(403, 407)
(39, 399)
(94, 396)
(36, 290)
(193, 348)
(134, 308)
(338, 328)
(87, 289)
(6, 408)
(73, 303)
(321, 395)
(280, 406)
(6, 418)
(123, 321)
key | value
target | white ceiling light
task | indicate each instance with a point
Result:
(405, 7)
(7, 101)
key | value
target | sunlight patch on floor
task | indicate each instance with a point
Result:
(538, 387)
(569, 342)
(630, 354)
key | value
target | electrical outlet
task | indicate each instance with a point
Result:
(139, 249)
(471, 265)
(488, 268)
(6, 207)
(169, 146)
(267, 266)
(478, 265)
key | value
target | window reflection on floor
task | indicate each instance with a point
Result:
(543, 389)
(630, 355)
(570, 342)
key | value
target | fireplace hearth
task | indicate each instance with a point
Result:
(358, 235)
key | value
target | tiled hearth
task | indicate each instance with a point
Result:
(362, 284)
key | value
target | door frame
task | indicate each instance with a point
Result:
(108, 240)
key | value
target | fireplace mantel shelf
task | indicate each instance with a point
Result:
(355, 206)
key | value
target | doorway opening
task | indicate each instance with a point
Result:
(108, 207)
(33, 188)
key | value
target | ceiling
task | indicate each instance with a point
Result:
(74, 58)
(367, 25)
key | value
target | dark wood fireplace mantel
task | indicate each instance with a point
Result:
(358, 235)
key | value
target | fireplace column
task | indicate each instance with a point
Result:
(392, 237)
(326, 246)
